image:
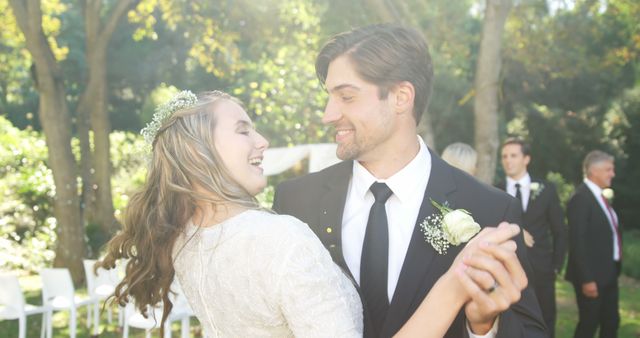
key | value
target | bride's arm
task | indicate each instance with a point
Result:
(462, 282)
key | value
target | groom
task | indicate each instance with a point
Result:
(367, 209)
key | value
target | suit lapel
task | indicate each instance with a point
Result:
(532, 201)
(421, 257)
(331, 206)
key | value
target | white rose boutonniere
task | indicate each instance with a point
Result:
(608, 194)
(448, 227)
(536, 188)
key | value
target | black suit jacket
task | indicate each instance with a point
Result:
(544, 220)
(318, 199)
(590, 241)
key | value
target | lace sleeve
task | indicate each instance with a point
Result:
(314, 295)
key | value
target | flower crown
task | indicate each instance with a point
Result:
(182, 100)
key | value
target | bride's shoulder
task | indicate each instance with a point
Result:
(269, 224)
(268, 221)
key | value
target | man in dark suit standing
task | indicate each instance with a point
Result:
(379, 81)
(595, 249)
(545, 233)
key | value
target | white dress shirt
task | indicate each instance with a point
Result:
(408, 186)
(525, 189)
(597, 192)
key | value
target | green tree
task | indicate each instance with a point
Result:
(54, 114)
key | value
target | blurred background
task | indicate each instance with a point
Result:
(79, 79)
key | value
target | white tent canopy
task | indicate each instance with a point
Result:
(278, 160)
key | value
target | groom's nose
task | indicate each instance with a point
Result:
(331, 112)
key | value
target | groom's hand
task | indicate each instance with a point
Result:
(495, 281)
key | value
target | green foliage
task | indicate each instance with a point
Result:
(27, 226)
(130, 167)
(564, 189)
(26, 223)
(631, 253)
(628, 167)
(281, 87)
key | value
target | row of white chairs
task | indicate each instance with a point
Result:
(58, 294)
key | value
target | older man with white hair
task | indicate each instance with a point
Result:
(595, 248)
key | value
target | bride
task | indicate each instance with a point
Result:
(246, 271)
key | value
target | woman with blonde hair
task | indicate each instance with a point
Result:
(244, 270)
(461, 156)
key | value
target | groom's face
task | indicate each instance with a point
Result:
(363, 122)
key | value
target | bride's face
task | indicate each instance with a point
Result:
(240, 146)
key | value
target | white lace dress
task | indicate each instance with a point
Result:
(264, 275)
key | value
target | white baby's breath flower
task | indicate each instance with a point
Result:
(183, 99)
(448, 227)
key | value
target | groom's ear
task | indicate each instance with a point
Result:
(404, 94)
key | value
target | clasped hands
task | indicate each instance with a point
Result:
(490, 275)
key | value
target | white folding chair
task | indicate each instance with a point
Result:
(180, 312)
(100, 286)
(58, 293)
(13, 306)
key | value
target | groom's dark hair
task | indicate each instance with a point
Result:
(384, 55)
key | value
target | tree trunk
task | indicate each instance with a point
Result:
(56, 122)
(485, 104)
(88, 202)
(93, 107)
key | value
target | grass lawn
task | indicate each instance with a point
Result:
(629, 309)
(567, 314)
(31, 287)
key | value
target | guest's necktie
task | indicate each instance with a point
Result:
(615, 225)
(375, 257)
(518, 192)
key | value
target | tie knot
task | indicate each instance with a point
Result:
(517, 185)
(381, 192)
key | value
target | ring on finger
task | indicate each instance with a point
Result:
(493, 287)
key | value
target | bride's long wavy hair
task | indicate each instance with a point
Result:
(183, 157)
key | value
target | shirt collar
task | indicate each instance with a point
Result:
(404, 183)
(525, 181)
(595, 189)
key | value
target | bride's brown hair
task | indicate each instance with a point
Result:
(183, 158)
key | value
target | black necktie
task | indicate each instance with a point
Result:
(375, 257)
(518, 193)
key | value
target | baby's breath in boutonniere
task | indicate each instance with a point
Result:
(536, 188)
(448, 227)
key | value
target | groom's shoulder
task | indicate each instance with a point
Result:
(472, 186)
(317, 178)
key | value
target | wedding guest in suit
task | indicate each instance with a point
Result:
(545, 232)
(461, 156)
(595, 249)
(368, 209)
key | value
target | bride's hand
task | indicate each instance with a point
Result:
(491, 274)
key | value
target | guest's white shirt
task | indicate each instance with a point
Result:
(597, 192)
(525, 189)
(408, 186)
